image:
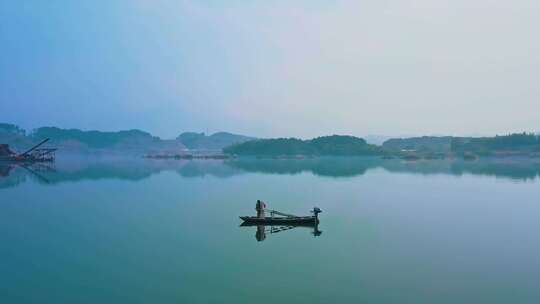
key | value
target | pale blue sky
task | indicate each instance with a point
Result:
(272, 68)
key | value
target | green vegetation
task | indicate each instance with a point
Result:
(429, 147)
(325, 146)
(274, 147)
(519, 142)
(343, 145)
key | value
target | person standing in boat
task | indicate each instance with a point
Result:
(260, 206)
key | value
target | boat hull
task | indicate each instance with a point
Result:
(280, 220)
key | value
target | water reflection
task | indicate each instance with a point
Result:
(515, 168)
(334, 167)
(129, 169)
(134, 169)
(12, 175)
(262, 231)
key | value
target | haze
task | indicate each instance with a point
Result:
(272, 68)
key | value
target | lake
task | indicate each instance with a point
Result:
(127, 230)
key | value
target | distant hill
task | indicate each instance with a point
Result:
(216, 141)
(94, 139)
(136, 141)
(327, 145)
(12, 129)
(520, 143)
(75, 140)
(14, 136)
(511, 143)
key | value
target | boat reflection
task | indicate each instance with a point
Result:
(264, 230)
(13, 174)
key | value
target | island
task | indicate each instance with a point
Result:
(334, 145)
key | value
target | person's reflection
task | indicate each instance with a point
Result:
(260, 235)
(316, 231)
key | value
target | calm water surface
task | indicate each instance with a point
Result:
(141, 231)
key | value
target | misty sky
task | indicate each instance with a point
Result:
(273, 68)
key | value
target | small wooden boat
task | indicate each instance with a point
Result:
(285, 219)
(280, 220)
(288, 224)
